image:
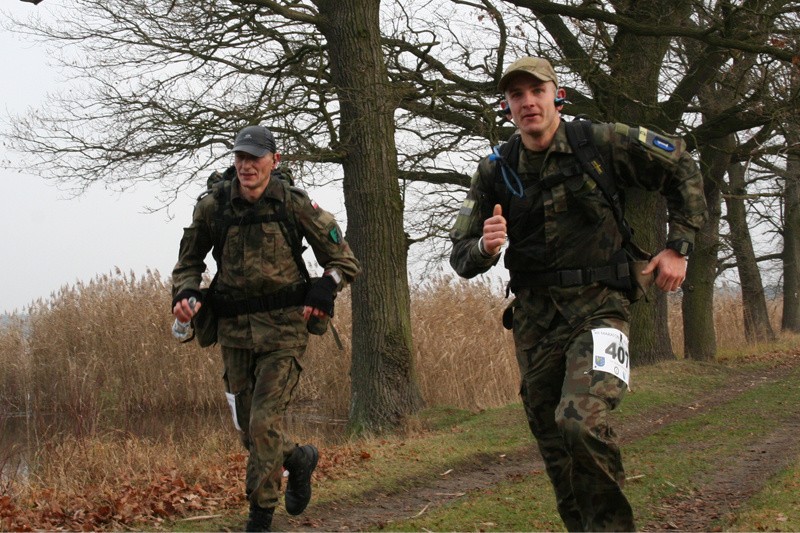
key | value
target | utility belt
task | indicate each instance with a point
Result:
(616, 276)
(291, 296)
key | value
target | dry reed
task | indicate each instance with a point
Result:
(104, 349)
(105, 346)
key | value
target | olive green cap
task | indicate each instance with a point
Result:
(539, 68)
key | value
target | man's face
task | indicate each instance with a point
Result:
(254, 171)
(532, 105)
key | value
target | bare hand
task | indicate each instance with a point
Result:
(671, 268)
(308, 312)
(184, 312)
(494, 231)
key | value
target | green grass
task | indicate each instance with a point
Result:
(672, 462)
(775, 508)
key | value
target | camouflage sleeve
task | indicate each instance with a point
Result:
(652, 161)
(320, 229)
(466, 258)
(196, 242)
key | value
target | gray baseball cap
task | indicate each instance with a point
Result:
(255, 140)
(537, 67)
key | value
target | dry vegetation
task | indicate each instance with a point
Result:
(102, 351)
(105, 346)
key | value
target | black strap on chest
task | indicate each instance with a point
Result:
(581, 139)
(285, 217)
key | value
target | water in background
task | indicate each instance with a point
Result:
(21, 436)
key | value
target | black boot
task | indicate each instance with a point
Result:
(259, 519)
(300, 465)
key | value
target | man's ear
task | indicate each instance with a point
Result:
(504, 111)
(561, 97)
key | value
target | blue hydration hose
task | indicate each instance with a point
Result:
(505, 168)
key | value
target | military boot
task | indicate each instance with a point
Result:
(300, 465)
(259, 519)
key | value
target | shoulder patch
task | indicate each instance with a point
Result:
(664, 144)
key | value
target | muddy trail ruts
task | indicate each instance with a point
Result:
(729, 487)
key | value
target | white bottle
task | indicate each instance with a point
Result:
(183, 330)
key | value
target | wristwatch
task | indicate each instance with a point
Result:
(682, 246)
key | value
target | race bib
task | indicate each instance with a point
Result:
(610, 353)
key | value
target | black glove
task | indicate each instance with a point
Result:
(186, 294)
(321, 294)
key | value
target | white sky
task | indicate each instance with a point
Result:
(50, 240)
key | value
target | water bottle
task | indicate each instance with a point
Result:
(182, 330)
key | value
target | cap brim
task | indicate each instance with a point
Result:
(503, 83)
(251, 149)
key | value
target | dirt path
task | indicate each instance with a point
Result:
(730, 487)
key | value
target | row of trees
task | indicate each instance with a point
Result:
(400, 96)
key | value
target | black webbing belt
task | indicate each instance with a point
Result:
(568, 277)
(288, 297)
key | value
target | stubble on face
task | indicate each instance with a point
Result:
(253, 173)
(533, 110)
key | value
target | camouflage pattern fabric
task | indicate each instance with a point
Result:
(567, 405)
(571, 224)
(263, 384)
(565, 222)
(257, 260)
(261, 350)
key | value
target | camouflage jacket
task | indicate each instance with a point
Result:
(257, 260)
(571, 224)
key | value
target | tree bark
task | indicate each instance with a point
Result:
(754, 305)
(699, 336)
(791, 244)
(635, 63)
(384, 385)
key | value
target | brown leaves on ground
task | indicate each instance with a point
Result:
(142, 501)
(151, 500)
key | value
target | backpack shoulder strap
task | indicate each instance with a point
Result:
(222, 195)
(291, 231)
(581, 140)
(286, 219)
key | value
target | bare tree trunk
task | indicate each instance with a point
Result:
(650, 341)
(791, 245)
(635, 65)
(384, 386)
(699, 336)
(756, 319)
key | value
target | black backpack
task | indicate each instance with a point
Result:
(581, 140)
(218, 184)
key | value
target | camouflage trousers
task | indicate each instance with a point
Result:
(567, 404)
(262, 385)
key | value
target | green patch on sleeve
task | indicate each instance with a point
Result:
(334, 235)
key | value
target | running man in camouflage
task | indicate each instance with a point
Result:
(570, 318)
(264, 303)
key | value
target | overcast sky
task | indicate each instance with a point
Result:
(49, 240)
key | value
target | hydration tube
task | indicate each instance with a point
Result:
(505, 168)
